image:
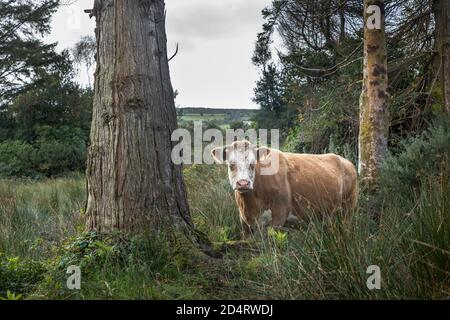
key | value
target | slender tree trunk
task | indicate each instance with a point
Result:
(441, 10)
(132, 182)
(374, 118)
(88, 69)
(341, 10)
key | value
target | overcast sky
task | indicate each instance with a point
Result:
(216, 39)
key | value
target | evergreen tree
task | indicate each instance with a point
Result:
(24, 58)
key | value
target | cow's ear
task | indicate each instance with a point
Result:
(219, 154)
(262, 153)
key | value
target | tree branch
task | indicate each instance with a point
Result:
(176, 52)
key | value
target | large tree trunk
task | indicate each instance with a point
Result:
(441, 10)
(374, 117)
(132, 182)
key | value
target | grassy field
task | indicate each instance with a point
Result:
(221, 117)
(41, 234)
(204, 117)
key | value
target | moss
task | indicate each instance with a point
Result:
(366, 128)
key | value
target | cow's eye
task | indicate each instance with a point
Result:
(252, 166)
(232, 166)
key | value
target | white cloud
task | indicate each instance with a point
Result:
(216, 40)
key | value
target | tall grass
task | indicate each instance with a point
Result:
(42, 211)
(324, 259)
(212, 202)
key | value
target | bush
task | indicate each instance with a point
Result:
(17, 158)
(295, 141)
(343, 149)
(56, 151)
(421, 158)
(19, 276)
(117, 266)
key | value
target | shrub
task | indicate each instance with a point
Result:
(56, 151)
(426, 156)
(19, 276)
(17, 158)
(116, 266)
(343, 149)
(295, 141)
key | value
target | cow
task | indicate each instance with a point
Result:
(275, 188)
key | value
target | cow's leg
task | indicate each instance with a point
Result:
(265, 218)
(247, 219)
(279, 215)
(293, 221)
(246, 229)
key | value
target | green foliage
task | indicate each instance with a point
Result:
(18, 276)
(115, 265)
(56, 151)
(270, 90)
(420, 158)
(56, 104)
(37, 96)
(295, 141)
(16, 158)
(279, 238)
(61, 150)
(345, 150)
(45, 131)
(213, 118)
(239, 124)
(25, 60)
(11, 296)
(323, 259)
(310, 90)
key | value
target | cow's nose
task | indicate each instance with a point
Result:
(243, 184)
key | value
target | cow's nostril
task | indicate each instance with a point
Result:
(243, 183)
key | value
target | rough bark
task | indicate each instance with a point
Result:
(132, 183)
(374, 117)
(441, 11)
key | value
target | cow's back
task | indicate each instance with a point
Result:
(318, 183)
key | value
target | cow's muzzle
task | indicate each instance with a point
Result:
(243, 186)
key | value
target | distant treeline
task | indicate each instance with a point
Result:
(235, 113)
(216, 117)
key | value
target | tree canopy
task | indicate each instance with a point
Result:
(309, 53)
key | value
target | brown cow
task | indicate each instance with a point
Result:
(273, 187)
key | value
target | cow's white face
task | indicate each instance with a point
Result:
(241, 168)
(241, 158)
